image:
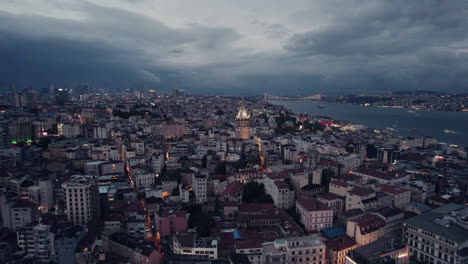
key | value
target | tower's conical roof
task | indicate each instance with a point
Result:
(243, 113)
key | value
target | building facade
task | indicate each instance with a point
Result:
(315, 215)
(82, 199)
(438, 236)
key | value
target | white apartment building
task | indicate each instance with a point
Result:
(315, 215)
(361, 198)
(142, 178)
(18, 213)
(200, 188)
(157, 162)
(69, 129)
(401, 196)
(36, 240)
(81, 198)
(301, 249)
(282, 194)
(189, 244)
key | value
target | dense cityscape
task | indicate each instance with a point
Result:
(140, 176)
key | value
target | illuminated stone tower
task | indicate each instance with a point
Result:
(243, 123)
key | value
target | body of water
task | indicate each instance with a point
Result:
(448, 127)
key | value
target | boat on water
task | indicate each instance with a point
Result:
(448, 131)
(320, 106)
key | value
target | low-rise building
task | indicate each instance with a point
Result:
(361, 198)
(338, 248)
(388, 249)
(393, 218)
(233, 192)
(251, 248)
(168, 223)
(137, 252)
(305, 249)
(366, 229)
(18, 213)
(333, 201)
(189, 244)
(314, 214)
(439, 235)
(142, 177)
(401, 196)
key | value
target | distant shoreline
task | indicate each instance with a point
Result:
(406, 124)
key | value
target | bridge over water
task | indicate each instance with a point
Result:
(314, 97)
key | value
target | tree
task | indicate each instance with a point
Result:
(199, 220)
(371, 151)
(327, 174)
(349, 147)
(254, 192)
(221, 168)
(175, 191)
(43, 142)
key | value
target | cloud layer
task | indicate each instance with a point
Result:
(236, 47)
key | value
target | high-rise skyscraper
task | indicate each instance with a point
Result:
(82, 199)
(175, 92)
(21, 130)
(243, 123)
(59, 95)
(24, 99)
(79, 91)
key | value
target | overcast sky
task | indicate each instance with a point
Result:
(236, 47)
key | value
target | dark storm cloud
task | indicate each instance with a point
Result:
(108, 49)
(321, 46)
(392, 27)
(394, 45)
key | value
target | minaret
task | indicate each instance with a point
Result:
(243, 123)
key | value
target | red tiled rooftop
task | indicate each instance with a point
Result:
(271, 214)
(181, 213)
(291, 228)
(248, 243)
(312, 205)
(255, 207)
(234, 188)
(276, 176)
(340, 183)
(220, 177)
(230, 204)
(350, 177)
(389, 211)
(328, 196)
(369, 222)
(326, 162)
(281, 184)
(389, 175)
(268, 236)
(352, 212)
(361, 191)
(395, 190)
(340, 243)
